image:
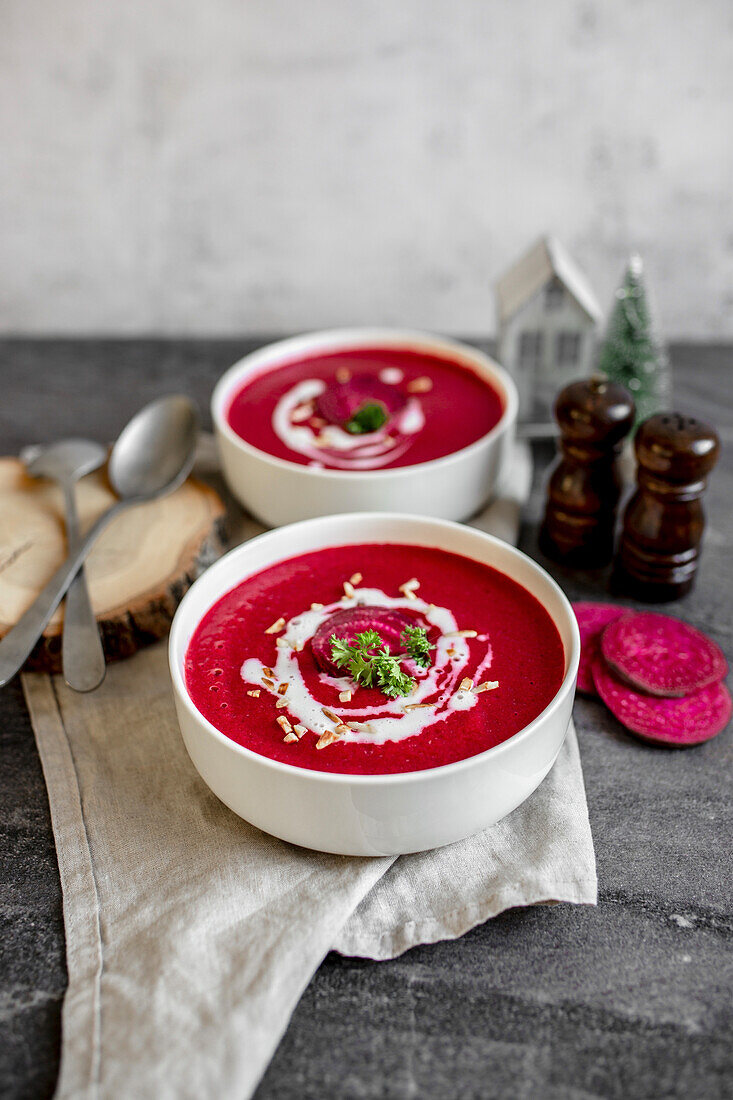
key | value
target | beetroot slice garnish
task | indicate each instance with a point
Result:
(660, 655)
(673, 722)
(340, 400)
(388, 623)
(592, 619)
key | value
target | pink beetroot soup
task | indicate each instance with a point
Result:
(365, 409)
(497, 660)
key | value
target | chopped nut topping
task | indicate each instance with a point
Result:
(255, 694)
(316, 607)
(342, 728)
(345, 696)
(410, 587)
(326, 739)
(451, 652)
(488, 685)
(356, 578)
(462, 634)
(420, 385)
(282, 642)
(282, 702)
(300, 730)
(418, 706)
(268, 672)
(303, 412)
(348, 589)
(284, 724)
(276, 627)
(330, 715)
(268, 682)
(343, 374)
(466, 684)
(282, 689)
(290, 736)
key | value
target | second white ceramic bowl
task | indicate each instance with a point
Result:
(278, 491)
(366, 815)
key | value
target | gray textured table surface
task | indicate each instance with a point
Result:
(632, 999)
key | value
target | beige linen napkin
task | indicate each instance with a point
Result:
(190, 935)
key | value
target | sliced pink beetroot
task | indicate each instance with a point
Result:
(673, 722)
(592, 619)
(388, 622)
(340, 400)
(660, 655)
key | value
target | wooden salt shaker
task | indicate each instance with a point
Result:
(664, 521)
(595, 416)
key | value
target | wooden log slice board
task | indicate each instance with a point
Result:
(137, 572)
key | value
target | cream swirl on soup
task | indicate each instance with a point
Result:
(437, 691)
(297, 426)
(365, 408)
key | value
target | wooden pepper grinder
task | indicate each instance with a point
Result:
(595, 416)
(664, 520)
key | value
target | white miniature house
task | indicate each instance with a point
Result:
(548, 317)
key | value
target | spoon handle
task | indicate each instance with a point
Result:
(17, 644)
(82, 655)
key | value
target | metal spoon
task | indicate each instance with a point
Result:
(152, 457)
(82, 655)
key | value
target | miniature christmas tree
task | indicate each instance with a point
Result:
(632, 353)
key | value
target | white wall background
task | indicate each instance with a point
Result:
(233, 166)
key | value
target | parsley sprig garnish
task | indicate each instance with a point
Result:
(369, 417)
(370, 663)
(415, 641)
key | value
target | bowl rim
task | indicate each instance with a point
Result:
(179, 625)
(345, 338)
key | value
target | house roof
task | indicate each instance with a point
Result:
(547, 258)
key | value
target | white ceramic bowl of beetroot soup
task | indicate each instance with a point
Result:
(297, 736)
(364, 419)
